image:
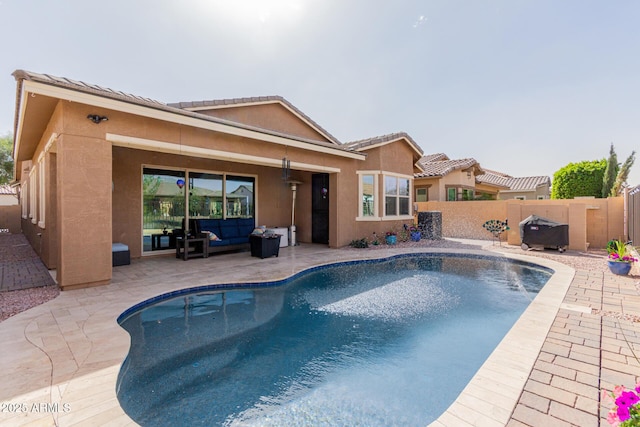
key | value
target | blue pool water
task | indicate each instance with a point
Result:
(376, 343)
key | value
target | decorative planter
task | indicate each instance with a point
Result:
(415, 236)
(391, 240)
(620, 268)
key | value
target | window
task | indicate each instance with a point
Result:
(422, 194)
(41, 193)
(459, 193)
(205, 195)
(396, 196)
(24, 197)
(33, 196)
(368, 188)
(239, 194)
(210, 195)
(520, 198)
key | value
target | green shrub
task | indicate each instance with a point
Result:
(359, 243)
(579, 180)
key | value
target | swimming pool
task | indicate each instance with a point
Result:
(373, 343)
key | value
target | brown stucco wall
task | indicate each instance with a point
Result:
(592, 222)
(10, 219)
(84, 203)
(44, 240)
(273, 116)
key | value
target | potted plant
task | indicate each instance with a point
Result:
(620, 258)
(626, 411)
(391, 237)
(415, 233)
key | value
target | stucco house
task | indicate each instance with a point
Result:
(444, 179)
(522, 188)
(97, 166)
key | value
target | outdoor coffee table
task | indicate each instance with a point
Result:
(197, 245)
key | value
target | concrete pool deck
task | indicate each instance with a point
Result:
(60, 360)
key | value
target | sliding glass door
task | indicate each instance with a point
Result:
(163, 198)
(210, 195)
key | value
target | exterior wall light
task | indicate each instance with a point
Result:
(97, 119)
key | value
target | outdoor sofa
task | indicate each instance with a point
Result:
(224, 234)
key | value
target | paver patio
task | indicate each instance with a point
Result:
(60, 360)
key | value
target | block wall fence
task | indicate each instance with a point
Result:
(592, 222)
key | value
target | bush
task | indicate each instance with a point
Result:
(359, 243)
(579, 179)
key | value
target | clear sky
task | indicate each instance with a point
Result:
(522, 86)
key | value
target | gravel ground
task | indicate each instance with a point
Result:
(14, 302)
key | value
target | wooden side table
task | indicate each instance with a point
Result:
(191, 248)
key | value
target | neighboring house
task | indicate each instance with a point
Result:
(97, 166)
(443, 179)
(523, 188)
(8, 196)
(446, 180)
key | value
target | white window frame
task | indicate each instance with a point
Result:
(33, 200)
(397, 196)
(24, 199)
(41, 191)
(376, 194)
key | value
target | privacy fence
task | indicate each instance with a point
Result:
(592, 222)
(633, 215)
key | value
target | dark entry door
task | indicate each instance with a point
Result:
(320, 208)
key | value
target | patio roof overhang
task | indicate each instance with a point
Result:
(38, 95)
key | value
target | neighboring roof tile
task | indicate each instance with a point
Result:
(75, 85)
(445, 167)
(220, 103)
(526, 183)
(434, 157)
(6, 189)
(362, 144)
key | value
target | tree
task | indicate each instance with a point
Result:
(6, 159)
(579, 179)
(610, 173)
(623, 174)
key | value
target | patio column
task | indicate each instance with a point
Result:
(84, 211)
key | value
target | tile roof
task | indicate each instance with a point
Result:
(439, 164)
(434, 157)
(526, 183)
(6, 189)
(79, 86)
(236, 102)
(445, 167)
(362, 144)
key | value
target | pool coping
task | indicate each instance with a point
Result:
(88, 385)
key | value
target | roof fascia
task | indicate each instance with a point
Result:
(274, 101)
(17, 132)
(140, 110)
